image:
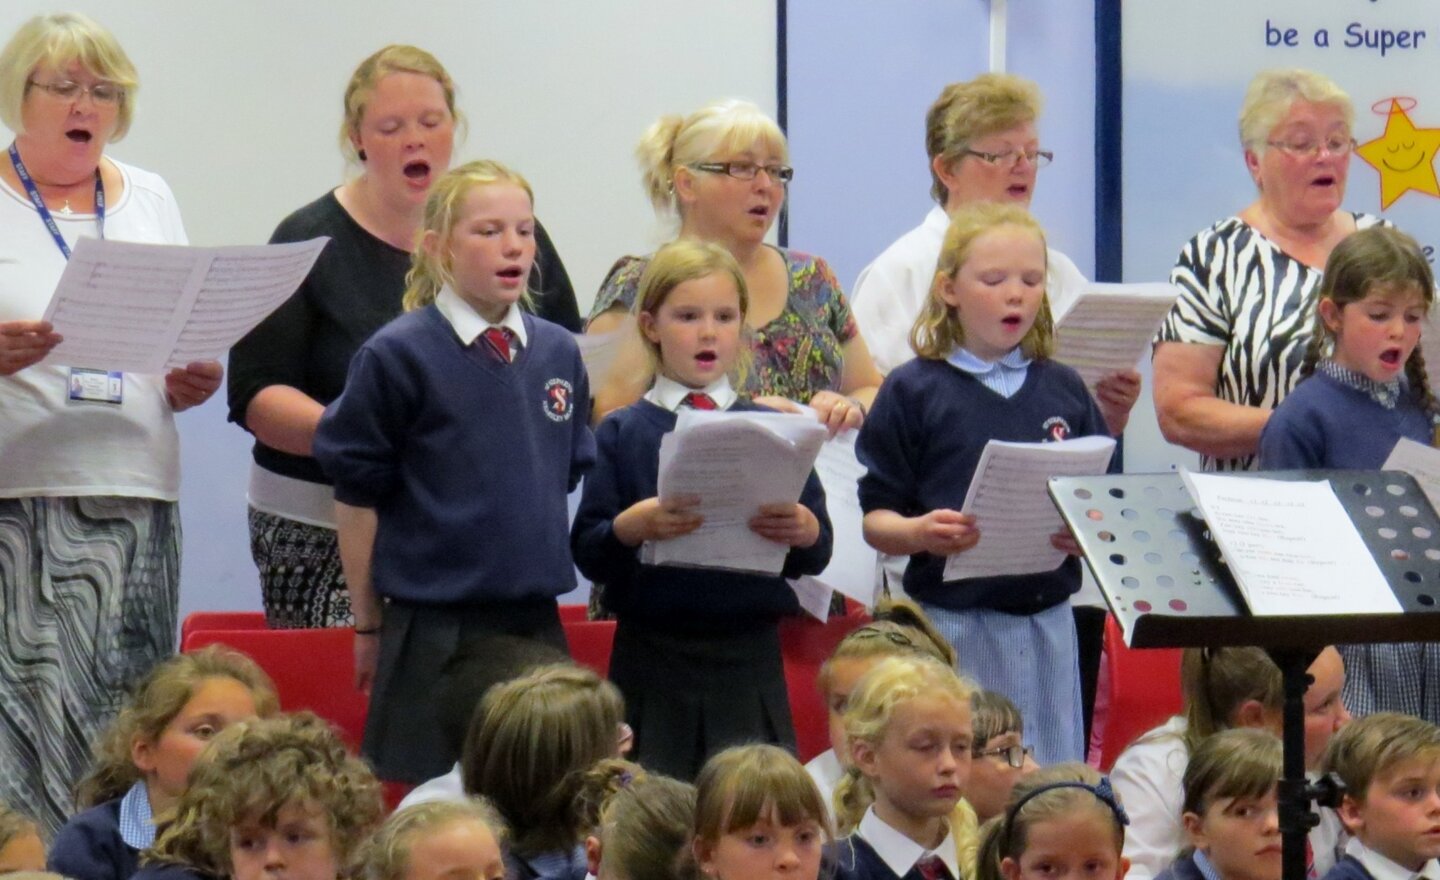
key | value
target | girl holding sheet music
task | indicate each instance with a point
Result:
(1364, 387)
(461, 431)
(697, 650)
(982, 373)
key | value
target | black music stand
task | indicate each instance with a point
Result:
(1167, 585)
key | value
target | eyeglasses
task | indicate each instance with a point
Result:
(747, 170)
(1011, 158)
(1014, 755)
(65, 90)
(1336, 145)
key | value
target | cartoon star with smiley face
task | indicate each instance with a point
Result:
(1404, 155)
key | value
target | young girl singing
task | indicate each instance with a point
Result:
(910, 737)
(1365, 388)
(460, 432)
(143, 761)
(697, 650)
(982, 373)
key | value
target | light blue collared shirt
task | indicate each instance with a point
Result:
(137, 823)
(1004, 376)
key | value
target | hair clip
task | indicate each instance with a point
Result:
(626, 777)
(1102, 790)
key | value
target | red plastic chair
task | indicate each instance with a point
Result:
(590, 642)
(805, 644)
(1144, 691)
(574, 613)
(196, 621)
(312, 669)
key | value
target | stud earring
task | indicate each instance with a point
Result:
(361, 154)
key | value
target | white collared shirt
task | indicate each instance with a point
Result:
(1382, 868)
(890, 292)
(669, 394)
(900, 853)
(1004, 376)
(469, 324)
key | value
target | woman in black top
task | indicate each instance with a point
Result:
(399, 125)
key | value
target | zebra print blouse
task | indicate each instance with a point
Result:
(1241, 291)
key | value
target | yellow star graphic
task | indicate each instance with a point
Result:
(1404, 155)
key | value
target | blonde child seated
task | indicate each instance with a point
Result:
(437, 840)
(909, 733)
(271, 796)
(21, 848)
(528, 748)
(1000, 757)
(1390, 765)
(1062, 821)
(1221, 688)
(640, 823)
(757, 814)
(898, 628)
(1231, 811)
(144, 758)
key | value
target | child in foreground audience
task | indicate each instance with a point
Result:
(1390, 765)
(639, 823)
(144, 758)
(910, 738)
(757, 814)
(898, 628)
(270, 797)
(1062, 821)
(1222, 688)
(438, 840)
(21, 848)
(527, 752)
(1231, 812)
(1000, 757)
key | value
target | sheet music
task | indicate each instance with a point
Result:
(1290, 545)
(1419, 461)
(813, 596)
(1108, 327)
(734, 462)
(852, 564)
(1012, 508)
(144, 308)
(599, 350)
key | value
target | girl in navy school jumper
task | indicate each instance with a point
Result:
(757, 814)
(908, 726)
(1062, 821)
(983, 373)
(697, 650)
(1365, 388)
(462, 428)
(1230, 809)
(144, 758)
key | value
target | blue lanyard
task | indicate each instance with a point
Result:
(44, 212)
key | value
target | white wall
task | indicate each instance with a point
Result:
(239, 110)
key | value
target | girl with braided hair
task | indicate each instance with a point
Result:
(1364, 388)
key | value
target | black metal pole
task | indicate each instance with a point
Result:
(1296, 794)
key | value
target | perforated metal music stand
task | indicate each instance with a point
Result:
(1167, 585)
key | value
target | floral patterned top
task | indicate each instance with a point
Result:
(794, 356)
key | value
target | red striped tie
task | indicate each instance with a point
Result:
(498, 341)
(932, 867)
(697, 400)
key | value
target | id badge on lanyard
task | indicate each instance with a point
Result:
(85, 386)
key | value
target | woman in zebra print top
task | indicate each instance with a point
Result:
(1232, 346)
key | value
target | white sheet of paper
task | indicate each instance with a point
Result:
(1108, 327)
(813, 595)
(599, 350)
(852, 564)
(1012, 507)
(144, 308)
(734, 462)
(1290, 545)
(1419, 461)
